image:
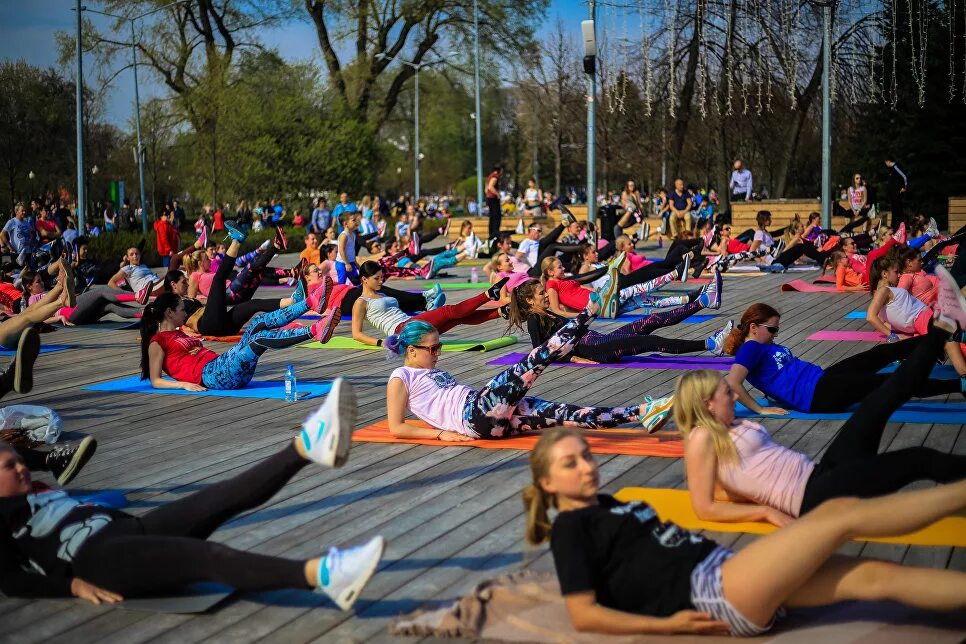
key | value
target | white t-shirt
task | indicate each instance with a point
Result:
(436, 398)
(766, 240)
(139, 276)
(530, 248)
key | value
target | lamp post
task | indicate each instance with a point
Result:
(590, 68)
(826, 116)
(137, 100)
(79, 117)
(476, 95)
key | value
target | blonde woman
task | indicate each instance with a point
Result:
(624, 571)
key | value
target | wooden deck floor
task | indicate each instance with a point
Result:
(451, 515)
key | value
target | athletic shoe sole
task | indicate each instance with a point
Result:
(28, 348)
(85, 450)
(280, 238)
(348, 596)
(328, 285)
(718, 284)
(950, 301)
(337, 434)
(663, 414)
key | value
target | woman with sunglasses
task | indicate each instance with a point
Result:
(456, 412)
(809, 388)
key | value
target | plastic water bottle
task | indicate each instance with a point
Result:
(291, 383)
(474, 275)
(893, 338)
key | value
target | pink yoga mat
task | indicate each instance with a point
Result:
(651, 361)
(805, 287)
(850, 336)
(828, 278)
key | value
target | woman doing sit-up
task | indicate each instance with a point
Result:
(624, 571)
(502, 407)
(166, 348)
(736, 472)
(383, 312)
(55, 546)
(806, 387)
(530, 308)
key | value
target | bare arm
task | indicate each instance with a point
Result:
(358, 319)
(556, 306)
(589, 616)
(155, 360)
(116, 280)
(736, 378)
(701, 463)
(397, 397)
(880, 299)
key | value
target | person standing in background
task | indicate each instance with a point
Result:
(741, 181)
(493, 200)
(896, 185)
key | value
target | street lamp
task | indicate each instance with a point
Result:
(137, 106)
(417, 156)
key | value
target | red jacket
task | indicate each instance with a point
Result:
(167, 237)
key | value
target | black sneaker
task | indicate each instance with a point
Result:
(504, 311)
(494, 291)
(28, 348)
(66, 461)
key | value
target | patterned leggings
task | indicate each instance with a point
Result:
(633, 339)
(389, 268)
(236, 367)
(246, 282)
(502, 406)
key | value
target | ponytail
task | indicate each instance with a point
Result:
(151, 319)
(411, 333)
(536, 504)
(545, 266)
(520, 303)
(755, 314)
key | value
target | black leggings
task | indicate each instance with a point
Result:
(791, 255)
(221, 321)
(633, 339)
(852, 380)
(408, 302)
(852, 465)
(166, 549)
(97, 302)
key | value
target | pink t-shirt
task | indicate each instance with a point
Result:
(923, 287)
(636, 261)
(204, 281)
(436, 398)
(519, 266)
(33, 299)
(765, 472)
(328, 268)
(514, 279)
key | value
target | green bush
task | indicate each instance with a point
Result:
(113, 246)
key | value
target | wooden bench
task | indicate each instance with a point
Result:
(957, 213)
(744, 214)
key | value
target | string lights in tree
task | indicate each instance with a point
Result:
(919, 58)
(671, 11)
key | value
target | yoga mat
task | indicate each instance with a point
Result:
(105, 326)
(653, 361)
(340, 342)
(855, 315)
(691, 280)
(603, 441)
(104, 498)
(44, 348)
(694, 319)
(197, 598)
(805, 287)
(453, 286)
(274, 389)
(675, 506)
(850, 336)
(918, 411)
(753, 268)
(939, 372)
(828, 278)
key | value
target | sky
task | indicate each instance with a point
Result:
(27, 31)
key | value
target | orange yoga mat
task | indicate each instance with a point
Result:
(633, 442)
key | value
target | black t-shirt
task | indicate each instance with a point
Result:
(680, 201)
(622, 552)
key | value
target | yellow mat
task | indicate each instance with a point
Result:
(675, 506)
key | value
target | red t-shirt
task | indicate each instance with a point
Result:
(9, 294)
(735, 246)
(184, 357)
(491, 194)
(163, 230)
(571, 293)
(219, 221)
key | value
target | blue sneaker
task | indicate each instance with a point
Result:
(327, 433)
(236, 234)
(344, 573)
(439, 298)
(299, 293)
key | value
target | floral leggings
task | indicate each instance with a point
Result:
(389, 268)
(502, 406)
(633, 339)
(236, 367)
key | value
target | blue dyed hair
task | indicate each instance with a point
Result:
(411, 333)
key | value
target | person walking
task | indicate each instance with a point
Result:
(493, 200)
(896, 185)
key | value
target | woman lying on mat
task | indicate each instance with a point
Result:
(569, 295)
(736, 472)
(383, 312)
(239, 289)
(164, 347)
(623, 571)
(56, 546)
(45, 308)
(806, 387)
(459, 413)
(530, 309)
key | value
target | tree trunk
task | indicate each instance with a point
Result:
(794, 132)
(687, 93)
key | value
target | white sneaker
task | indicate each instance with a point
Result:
(520, 229)
(645, 230)
(327, 433)
(932, 229)
(717, 340)
(777, 249)
(950, 303)
(656, 413)
(344, 573)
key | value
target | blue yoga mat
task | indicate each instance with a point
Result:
(855, 315)
(44, 348)
(912, 412)
(104, 498)
(694, 319)
(254, 389)
(939, 372)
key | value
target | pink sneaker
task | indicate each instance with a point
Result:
(203, 237)
(950, 303)
(900, 235)
(708, 236)
(144, 294)
(323, 329)
(317, 299)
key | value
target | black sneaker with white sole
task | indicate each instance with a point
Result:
(65, 461)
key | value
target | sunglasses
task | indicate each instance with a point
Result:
(771, 329)
(726, 229)
(433, 348)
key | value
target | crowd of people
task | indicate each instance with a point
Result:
(621, 569)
